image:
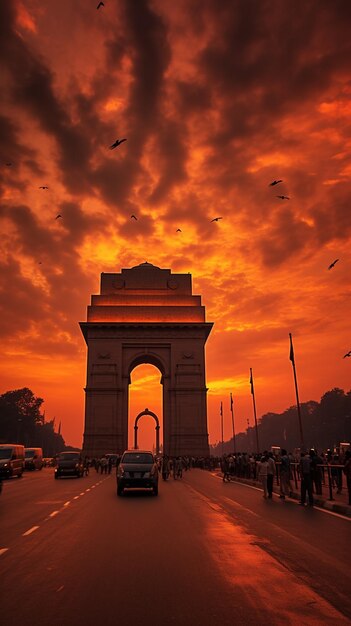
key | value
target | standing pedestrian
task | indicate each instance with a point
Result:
(225, 469)
(270, 473)
(316, 462)
(306, 478)
(103, 465)
(347, 472)
(284, 475)
(262, 472)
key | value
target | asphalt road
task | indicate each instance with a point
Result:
(202, 552)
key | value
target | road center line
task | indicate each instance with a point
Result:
(75, 497)
(3, 550)
(67, 503)
(82, 493)
(87, 490)
(53, 513)
(30, 531)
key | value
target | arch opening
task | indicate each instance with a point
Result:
(145, 407)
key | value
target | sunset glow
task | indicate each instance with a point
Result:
(216, 100)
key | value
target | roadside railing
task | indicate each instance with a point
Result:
(327, 475)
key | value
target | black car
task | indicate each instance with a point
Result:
(137, 470)
(69, 464)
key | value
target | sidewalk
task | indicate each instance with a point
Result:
(338, 505)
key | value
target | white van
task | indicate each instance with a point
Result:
(33, 458)
(11, 460)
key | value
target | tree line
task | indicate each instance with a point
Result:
(325, 424)
(21, 421)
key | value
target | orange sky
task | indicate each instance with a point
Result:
(216, 100)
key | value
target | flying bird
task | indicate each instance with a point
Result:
(57, 216)
(283, 197)
(347, 354)
(178, 230)
(216, 219)
(332, 264)
(101, 4)
(275, 182)
(132, 217)
(117, 143)
(43, 187)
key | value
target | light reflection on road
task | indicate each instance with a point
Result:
(258, 578)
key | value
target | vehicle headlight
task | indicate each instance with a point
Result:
(77, 465)
(5, 465)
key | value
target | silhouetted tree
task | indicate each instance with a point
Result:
(19, 415)
(22, 422)
(325, 425)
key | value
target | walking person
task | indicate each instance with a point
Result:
(179, 467)
(225, 469)
(285, 489)
(316, 461)
(103, 465)
(270, 473)
(165, 467)
(86, 465)
(306, 478)
(262, 474)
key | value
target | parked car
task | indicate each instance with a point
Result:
(11, 460)
(33, 459)
(137, 470)
(69, 464)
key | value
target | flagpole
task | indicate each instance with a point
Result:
(292, 359)
(222, 428)
(232, 411)
(254, 408)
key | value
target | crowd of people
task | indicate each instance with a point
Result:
(310, 468)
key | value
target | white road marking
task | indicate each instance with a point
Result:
(93, 486)
(75, 497)
(3, 550)
(82, 493)
(30, 531)
(60, 588)
(53, 513)
(87, 490)
(67, 503)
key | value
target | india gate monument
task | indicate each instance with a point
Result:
(146, 315)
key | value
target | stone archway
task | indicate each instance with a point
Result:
(146, 315)
(157, 429)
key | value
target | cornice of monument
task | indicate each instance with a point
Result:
(126, 329)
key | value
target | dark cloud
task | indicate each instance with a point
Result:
(287, 237)
(20, 303)
(32, 88)
(192, 98)
(14, 151)
(172, 156)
